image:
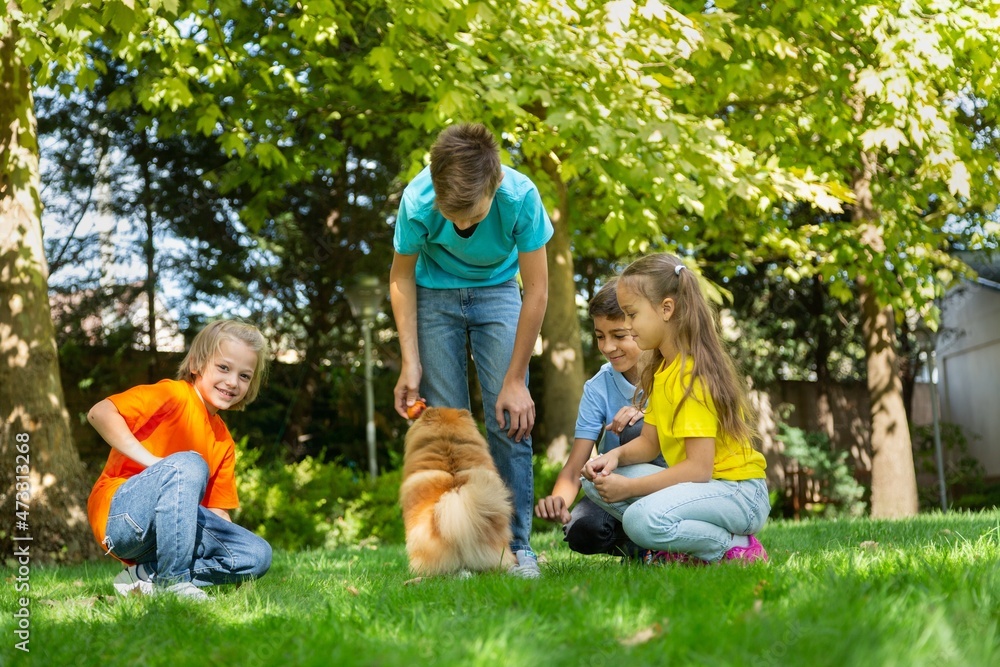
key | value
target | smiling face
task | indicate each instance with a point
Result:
(647, 321)
(224, 380)
(616, 344)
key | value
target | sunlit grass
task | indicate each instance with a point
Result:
(924, 591)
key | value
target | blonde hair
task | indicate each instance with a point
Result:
(206, 345)
(465, 168)
(696, 327)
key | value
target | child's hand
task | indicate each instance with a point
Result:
(613, 488)
(416, 409)
(602, 465)
(407, 390)
(627, 416)
(552, 508)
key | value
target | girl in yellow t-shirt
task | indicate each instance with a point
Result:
(712, 498)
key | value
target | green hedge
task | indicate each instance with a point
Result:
(312, 504)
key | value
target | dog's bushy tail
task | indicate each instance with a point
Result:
(474, 517)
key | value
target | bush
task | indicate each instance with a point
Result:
(835, 492)
(315, 504)
(964, 476)
(373, 516)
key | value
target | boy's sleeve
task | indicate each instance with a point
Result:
(409, 235)
(533, 228)
(221, 491)
(140, 404)
(590, 419)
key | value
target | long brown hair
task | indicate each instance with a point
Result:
(696, 326)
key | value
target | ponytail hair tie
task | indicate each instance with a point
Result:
(678, 269)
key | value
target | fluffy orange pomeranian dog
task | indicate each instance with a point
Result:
(456, 509)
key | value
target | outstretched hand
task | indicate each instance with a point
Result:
(553, 508)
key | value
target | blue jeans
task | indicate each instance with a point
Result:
(156, 520)
(591, 530)
(448, 321)
(697, 518)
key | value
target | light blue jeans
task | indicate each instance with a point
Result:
(591, 530)
(448, 321)
(696, 518)
(156, 520)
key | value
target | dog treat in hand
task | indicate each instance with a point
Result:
(415, 410)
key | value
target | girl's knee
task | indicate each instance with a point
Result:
(634, 524)
(643, 529)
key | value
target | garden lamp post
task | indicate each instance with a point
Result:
(365, 297)
(927, 343)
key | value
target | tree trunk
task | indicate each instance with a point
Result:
(821, 358)
(562, 352)
(149, 254)
(894, 482)
(35, 422)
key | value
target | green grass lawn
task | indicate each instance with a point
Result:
(924, 591)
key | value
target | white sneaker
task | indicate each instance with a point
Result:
(527, 565)
(185, 590)
(133, 580)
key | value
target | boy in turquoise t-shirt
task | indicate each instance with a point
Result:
(607, 406)
(466, 227)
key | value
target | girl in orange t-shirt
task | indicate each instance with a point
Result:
(162, 501)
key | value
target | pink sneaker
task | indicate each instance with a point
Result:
(748, 554)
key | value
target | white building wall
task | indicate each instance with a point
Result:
(968, 357)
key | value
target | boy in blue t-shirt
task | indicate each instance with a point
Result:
(466, 227)
(606, 406)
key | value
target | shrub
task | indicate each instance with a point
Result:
(834, 492)
(964, 476)
(315, 504)
(373, 516)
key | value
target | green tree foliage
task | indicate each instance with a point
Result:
(732, 132)
(896, 102)
(823, 484)
(588, 98)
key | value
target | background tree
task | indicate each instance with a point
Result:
(587, 97)
(309, 157)
(880, 96)
(31, 400)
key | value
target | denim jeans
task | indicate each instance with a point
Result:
(591, 530)
(697, 518)
(448, 321)
(156, 520)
